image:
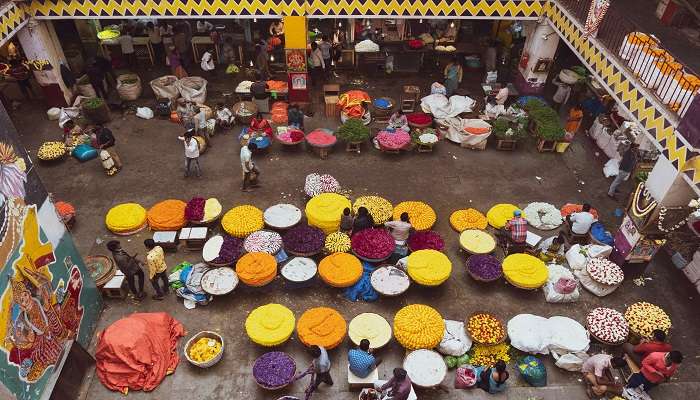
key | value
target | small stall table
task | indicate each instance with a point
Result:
(203, 41)
(194, 237)
(166, 239)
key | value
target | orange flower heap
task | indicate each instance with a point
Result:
(168, 215)
(340, 270)
(256, 269)
(321, 326)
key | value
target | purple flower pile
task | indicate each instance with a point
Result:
(304, 239)
(426, 240)
(274, 369)
(194, 210)
(230, 250)
(485, 267)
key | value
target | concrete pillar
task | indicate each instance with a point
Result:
(295, 41)
(541, 44)
(40, 42)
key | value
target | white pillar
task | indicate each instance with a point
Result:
(40, 42)
(541, 44)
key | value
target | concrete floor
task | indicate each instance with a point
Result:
(449, 178)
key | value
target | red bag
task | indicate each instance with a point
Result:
(465, 377)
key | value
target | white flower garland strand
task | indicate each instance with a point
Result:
(543, 216)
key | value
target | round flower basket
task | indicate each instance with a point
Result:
(219, 281)
(419, 120)
(483, 261)
(274, 370)
(321, 138)
(282, 216)
(373, 244)
(244, 111)
(475, 241)
(495, 320)
(372, 327)
(425, 368)
(194, 339)
(390, 281)
(285, 136)
(101, 268)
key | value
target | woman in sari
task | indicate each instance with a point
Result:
(398, 120)
(453, 76)
(260, 126)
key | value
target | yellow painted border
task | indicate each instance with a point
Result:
(12, 18)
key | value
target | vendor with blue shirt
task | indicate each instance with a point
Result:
(361, 360)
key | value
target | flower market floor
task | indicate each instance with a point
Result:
(448, 179)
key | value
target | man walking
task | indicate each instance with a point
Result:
(320, 370)
(629, 161)
(250, 171)
(191, 153)
(157, 269)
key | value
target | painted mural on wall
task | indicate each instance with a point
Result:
(46, 299)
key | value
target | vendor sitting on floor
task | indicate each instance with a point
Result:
(518, 230)
(647, 346)
(295, 117)
(397, 388)
(398, 120)
(580, 222)
(259, 126)
(552, 249)
(224, 116)
(598, 376)
(361, 360)
(400, 231)
(363, 220)
(657, 367)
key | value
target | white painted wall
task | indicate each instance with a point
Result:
(661, 178)
(541, 43)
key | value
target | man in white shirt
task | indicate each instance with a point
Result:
(126, 41)
(191, 153)
(250, 171)
(580, 222)
(400, 230)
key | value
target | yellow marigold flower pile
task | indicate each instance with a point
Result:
(421, 215)
(324, 211)
(340, 269)
(499, 214)
(168, 215)
(51, 151)
(372, 327)
(485, 328)
(256, 269)
(643, 318)
(418, 326)
(428, 267)
(487, 356)
(379, 208)
(204, 349)
(338, 242)
(525, 271)
(476, 241)
(469, 218)
(243, 220)
(321, 326)
(270, 325)
(125, 217)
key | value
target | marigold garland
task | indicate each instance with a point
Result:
(321, 326)
(418, 326)
(499, 214)
(125, 217)
(643, 318)
(428, 267)
(243, 220)
(340, 269)
(379, 208)
(421, 215)
(488, 355)
(256, 269)
(270, 325)
(338, 242)
(168, 215)
(469, 218)
(324, 211)
(372, 327)
(525, 271)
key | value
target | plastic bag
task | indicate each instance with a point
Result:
(575, 258)
(450, 361)
(567, 335)
(570, 361)
(526, 333)
(144, 112)
(455, 341)
(465, 377)
(598, 251)
(533, 371)
(611, 168)
(551, 294)
(68, 113)
(193, 88)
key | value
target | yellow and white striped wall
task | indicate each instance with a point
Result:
(12, 19)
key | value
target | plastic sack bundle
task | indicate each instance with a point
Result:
(84, 152)
(165, 87)
(363, 290)
(193, 88)
(455, 341)
(533, 371)
(465, 377)
(129, 87)
(561, 287)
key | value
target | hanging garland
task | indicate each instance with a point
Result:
(662, 217)
(642, 193)
(595, 16)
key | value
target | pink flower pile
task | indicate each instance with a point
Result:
(263, 242)
(604, 271)
(291, 136)
(394, 141)
(607, 325)
(373, 243)
(316, 184)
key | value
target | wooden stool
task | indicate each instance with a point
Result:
(357, 383)
(114, 289)
(546, 146)
(632, 368)
(331, 90)
(167, 240)
(408, 105)
(506, 144)
(322, 152)
(353, 147)
(479, 146)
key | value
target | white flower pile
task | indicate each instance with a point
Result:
(428, 138)
(605, 271)
(263, 242)
(543, 216)
(316, 184)
(607, 325)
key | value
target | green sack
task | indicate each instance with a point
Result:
(451, 361)
(463, 359)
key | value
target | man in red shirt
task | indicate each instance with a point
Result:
(656, 368)
(518, 229)
(639, 352)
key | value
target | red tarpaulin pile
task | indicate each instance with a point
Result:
(137, 352)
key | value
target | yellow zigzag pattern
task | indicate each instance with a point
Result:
(503, 8)
(12, 17)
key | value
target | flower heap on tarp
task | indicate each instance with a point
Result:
(373, 243)
(418, 326)
(125, 217)
(321, 138)
(499, 214)
(243, 220)
(469, 218)
(303, 239)
(324, 211)
(607, 325)
(379, 208)
(525, 271)
(270, 325)
(321, 326)
(421, 215)
(485, 328)
(604, 271)
(483, 355)
(168, 215)
(340, 269)
(426, 240)
(256, 269)
(316, 184)
(569, 208)
(49, 151)
(485, 267)
(643, 318)
(274, 369)
(338, 242)
(428, 267)
(263, 241)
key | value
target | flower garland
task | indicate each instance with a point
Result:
(469, 218)
(256, 269)
(525, 271)
(379, 208)
(263, 241)
(476, 241)
(340, 270)
(641, 192)
(270, 325)
(168, 215)
(595, 16)
(321, 326)
(243, 220)
(421, 215)
(372, 327)
(418, 326)
(543, 216)
(125, 217)
(338, 242)
(428, 267)
(499, 214)
(324, 211)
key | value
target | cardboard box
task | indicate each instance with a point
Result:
(331, 103)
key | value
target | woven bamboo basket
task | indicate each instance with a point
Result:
(194, 339)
